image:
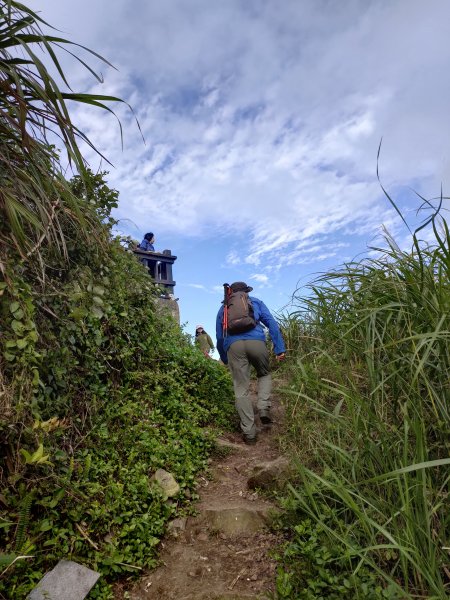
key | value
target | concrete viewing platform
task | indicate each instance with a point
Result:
(159, 266)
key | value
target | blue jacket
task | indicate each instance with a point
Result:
(262, 315)
(145, 245)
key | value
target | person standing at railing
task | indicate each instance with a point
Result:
(147, 243)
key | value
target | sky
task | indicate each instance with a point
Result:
(262, 121)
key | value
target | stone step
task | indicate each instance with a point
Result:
(270, 475)
(231, 446)
(67, 580)
(235, 520)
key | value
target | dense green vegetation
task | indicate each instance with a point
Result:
(98, 391)
(369, 410)
(98, 388)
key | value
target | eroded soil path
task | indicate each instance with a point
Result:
(223, 553)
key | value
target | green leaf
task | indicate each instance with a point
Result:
(59, 495)
(26, 455)
(36, 378)
(78, 313)
(97, 312)
(46, 525)
(14, 306)
(97, 289)
(17, 327)
(7, 559)
(37, 456)
(440, 462)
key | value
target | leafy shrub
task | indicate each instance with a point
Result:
(97, 389)
(312, 568)
(102, 391)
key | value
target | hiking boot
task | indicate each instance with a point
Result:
(250, 441)
(265, 418)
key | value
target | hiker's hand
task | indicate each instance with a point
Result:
(281, 356)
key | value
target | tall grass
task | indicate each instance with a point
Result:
(34, 115)
(371, 365)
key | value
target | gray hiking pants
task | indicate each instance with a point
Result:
(242, 355)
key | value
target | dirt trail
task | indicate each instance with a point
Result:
(223, 552)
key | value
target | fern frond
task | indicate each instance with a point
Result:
(24, 521)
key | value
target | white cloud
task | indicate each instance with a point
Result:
(197, 286)
(260, 278)
(215, 289)
(263, 120)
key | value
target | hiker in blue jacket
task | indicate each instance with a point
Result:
(241, 351)
(147, 243)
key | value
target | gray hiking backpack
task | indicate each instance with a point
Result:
(238, 312)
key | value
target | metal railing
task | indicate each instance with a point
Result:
(159, 266)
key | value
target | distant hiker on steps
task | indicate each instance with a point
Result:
(241, 342)
(203, 340)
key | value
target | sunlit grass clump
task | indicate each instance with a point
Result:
(369, 401)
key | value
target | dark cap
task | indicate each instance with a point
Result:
(240, 286)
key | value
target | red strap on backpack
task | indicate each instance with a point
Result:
(226, 294)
